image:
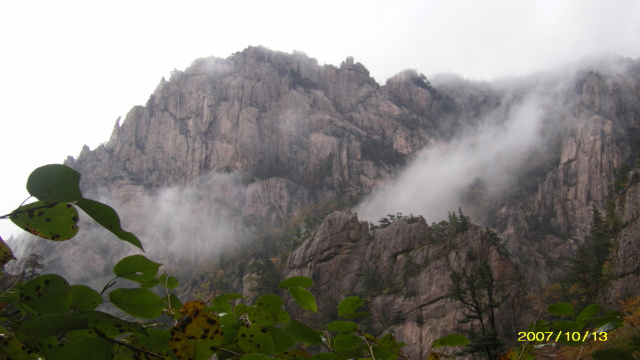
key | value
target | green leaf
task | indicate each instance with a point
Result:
(567, 326)
(55, 182)
(588, 313)
(47, 294)
(84, 298)
(380, 353)
(50, 220)
(282, 340)
(262, 316)
(170, 282)
(12, 348)
(160, 338)
(356, 315)
(450, 340)
(80, 343)
(137, 268)
(109, 324)
(610, 326)
(50, 325)
(254, 357)
(342, 326)
(148, 284)
(387, 348)
(108, 218)
(142, 303)
(282, 317)
(296, 354)
(229, 331)
(560, 309)
(342, 342)
(221, 304)
(269, 301)
(610, 317)
(176, 303)
(254, 339)
(612, 354)
(301, 281)
(349, 304)
(539, 325)
(304, 298)
(303, 333)
(326, 356)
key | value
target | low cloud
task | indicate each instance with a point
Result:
(185, 227)
(489, 150)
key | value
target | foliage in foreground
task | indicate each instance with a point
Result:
(46, 317)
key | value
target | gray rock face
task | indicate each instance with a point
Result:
(264, 115)
(231, 144)
(414, 270)
(625, 261)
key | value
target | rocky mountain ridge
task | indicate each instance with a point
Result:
(230, 147)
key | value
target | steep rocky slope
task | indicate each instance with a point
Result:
(234, 144)
(406, 270)
(231, 147)
(625, 259)
(602, 136)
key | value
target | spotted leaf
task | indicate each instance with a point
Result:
(50, 220)
(47, 294)
(6, 254)
(12, 348)
(198, 335)
(109, 325)
(254, 339)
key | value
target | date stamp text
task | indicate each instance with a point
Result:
(561, 336)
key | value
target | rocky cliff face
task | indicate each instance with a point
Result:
(625, 260)
(229, 146)
(406, 271)
(292, 130)
(235, 143)
(600, 136)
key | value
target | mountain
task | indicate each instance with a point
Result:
(244, 157)
(235, 144)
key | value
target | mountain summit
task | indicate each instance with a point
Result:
(237, 151)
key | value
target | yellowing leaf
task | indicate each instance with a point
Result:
(50, 220)
(12, 348)
(6, 254)
(198, 335)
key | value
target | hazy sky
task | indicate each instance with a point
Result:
(70, 68)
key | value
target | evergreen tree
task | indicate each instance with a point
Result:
(481, 295)
(463, 221)
(583, 272)
(268, 276)
(31, 267)
(583, 276)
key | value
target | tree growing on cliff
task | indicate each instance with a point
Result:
(480, 294)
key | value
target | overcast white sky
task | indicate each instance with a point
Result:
(70, 68)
